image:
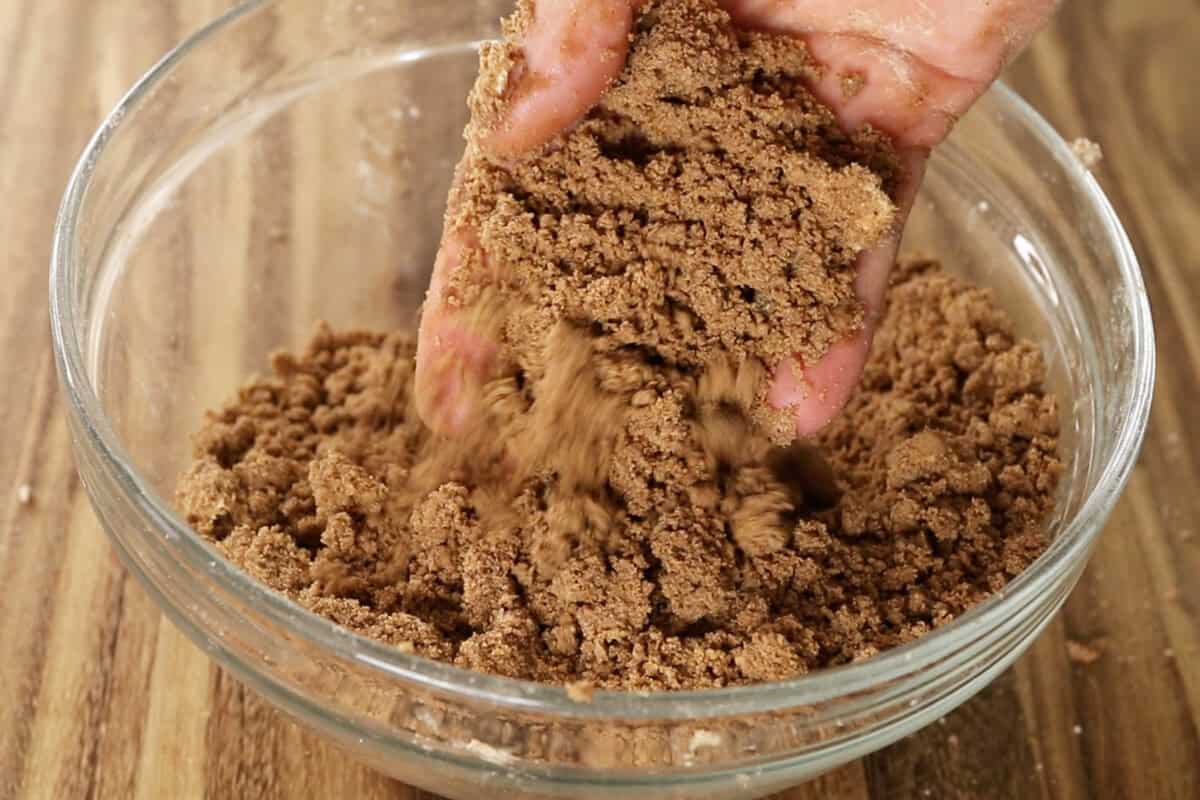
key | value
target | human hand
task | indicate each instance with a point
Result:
(914, 66)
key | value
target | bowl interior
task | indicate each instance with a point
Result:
(322, 200)
(319, 204)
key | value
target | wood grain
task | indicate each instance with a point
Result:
(100, 698)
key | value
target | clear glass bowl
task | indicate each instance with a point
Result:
(289, 163)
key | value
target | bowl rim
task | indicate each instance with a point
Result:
(95, 433)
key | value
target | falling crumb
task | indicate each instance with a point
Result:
(1088, 152)
(24, 494)
(1077, 730)
(580, 691)
(1085, 654)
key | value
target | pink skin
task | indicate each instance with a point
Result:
(923, 63)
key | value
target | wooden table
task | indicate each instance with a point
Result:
(99, 697)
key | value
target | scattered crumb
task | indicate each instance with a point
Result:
(1085, 654)
(953, 740)
(1077, 730)
(703, 740)
(1169, 652)
(852, 84)
(24, 494)
(580, 691)
(1087, 151)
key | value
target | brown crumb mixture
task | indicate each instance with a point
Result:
(620, 517)
(314, 481)
(708, 207)
(1085, 653)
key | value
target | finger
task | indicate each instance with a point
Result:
(572, 51)
(453, 362)
(874, 265)
(914, 67)
(816, 393)
(913, 103)
(968, 39)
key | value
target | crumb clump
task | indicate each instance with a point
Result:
(1089, 153)
(1085, 653)
(709, 207)
(322, 482)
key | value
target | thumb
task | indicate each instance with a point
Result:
(567, 52)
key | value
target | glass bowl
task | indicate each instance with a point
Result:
(289, 163)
